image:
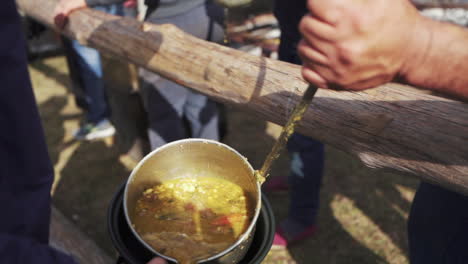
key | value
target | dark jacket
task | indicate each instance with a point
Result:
(26, 173)
(289, 13)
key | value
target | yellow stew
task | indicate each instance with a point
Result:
(191, 219)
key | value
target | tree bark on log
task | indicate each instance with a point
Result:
(393, 126)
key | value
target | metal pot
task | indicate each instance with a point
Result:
(195, 158)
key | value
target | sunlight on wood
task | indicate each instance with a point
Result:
(365, 230)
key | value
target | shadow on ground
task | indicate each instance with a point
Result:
(363, 212)
(86, 173)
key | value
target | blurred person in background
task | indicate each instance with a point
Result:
(307, 155)
(86, 70)
(175, 111)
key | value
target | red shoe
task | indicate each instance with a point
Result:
(279, 240)
(283, 239)
(276, 184)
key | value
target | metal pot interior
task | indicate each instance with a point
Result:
(192, 158)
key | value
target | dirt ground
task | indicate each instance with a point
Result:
(363, 212)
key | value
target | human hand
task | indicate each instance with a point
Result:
(357, 44)
(64, 8)
(157, 260)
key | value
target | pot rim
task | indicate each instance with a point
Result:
(241, 238)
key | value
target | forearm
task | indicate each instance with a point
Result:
(440, 59)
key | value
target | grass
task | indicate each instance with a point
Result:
(363, 212)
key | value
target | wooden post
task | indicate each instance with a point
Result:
(392, 126)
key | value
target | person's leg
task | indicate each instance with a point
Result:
(89, 64)
(307, 154)
(164, 102)
(199, 111)
(202, 115)
(73, 71)
(89, 67)
(307, 161)
(438, 226)
(113, 9)
(97, 124)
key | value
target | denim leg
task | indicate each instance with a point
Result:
(202, 114)
(90, 71)
(307, 162)
(113, 9)
(307, 155)
(438, 226)
(170, 101)
(164, 102)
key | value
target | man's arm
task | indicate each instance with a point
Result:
(359, 44)
(443, 64)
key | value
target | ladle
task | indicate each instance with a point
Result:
(200, 157)
(286, 132)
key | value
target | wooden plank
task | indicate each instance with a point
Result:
(392, 127)
(65, 236)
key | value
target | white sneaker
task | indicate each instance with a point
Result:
(91, 131)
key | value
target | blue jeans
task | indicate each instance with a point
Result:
(89, 68)
(307, 162)
(307, 155)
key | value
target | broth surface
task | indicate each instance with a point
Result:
(191, 219)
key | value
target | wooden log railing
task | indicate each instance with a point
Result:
(393, 126)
